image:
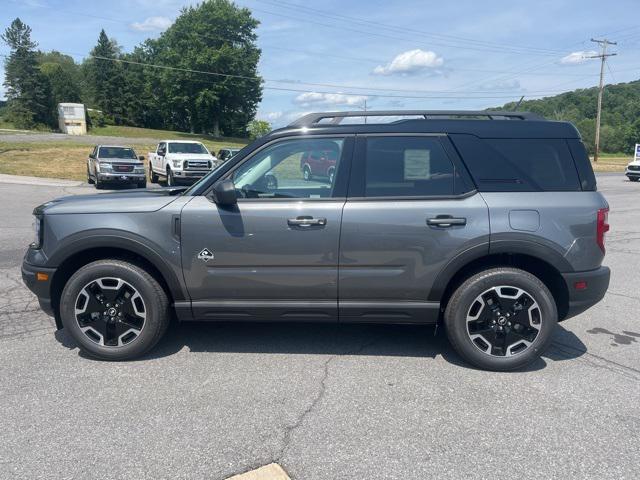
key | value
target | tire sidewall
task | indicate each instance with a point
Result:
(465, 295)
(136, 278)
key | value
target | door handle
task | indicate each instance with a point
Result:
(305, 221)
(445, 221)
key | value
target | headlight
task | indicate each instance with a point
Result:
(105, 167)
(37, 231)
(139, 169)
(177, 163)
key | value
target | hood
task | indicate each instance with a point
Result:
(127, 201)
(134, 161)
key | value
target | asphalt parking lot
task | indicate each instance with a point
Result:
(325, 402)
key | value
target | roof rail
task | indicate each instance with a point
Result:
(337, 117)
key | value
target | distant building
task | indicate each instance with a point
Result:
(71, 118)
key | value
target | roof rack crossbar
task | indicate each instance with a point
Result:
(337, 117)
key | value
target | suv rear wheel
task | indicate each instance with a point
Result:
(114, 310)
(501, 319)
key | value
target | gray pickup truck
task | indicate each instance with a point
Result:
(486, 222)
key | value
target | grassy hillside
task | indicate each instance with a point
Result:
(620, 126)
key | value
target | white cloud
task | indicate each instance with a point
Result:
(151, 24)
(313, 98)
(410, 62)
(507, 85)
(578, 57)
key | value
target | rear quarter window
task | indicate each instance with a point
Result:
(519, 164)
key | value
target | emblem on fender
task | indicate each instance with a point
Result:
(205, 255)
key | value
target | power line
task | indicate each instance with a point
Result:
(295, 82)
(435, 95)
(400, 29)
(382, 35)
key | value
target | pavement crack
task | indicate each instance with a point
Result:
(598, 361)
(609, 292)
(290, 429)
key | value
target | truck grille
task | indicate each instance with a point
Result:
(122, 167)
(196, 165)
(634, 167)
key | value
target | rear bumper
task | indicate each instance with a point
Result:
(41, 288)
(597, 282)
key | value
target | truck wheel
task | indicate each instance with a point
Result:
(306, 173)
(98, 183)
(501, 319)
(142, 184)
(171, 181)
(114, 310)
(89, 179)
(153, 178)
(330, 174)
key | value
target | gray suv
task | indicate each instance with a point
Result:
(486, 222)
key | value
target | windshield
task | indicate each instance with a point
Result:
(187, 148)
(117, 152)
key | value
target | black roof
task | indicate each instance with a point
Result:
(483, 124)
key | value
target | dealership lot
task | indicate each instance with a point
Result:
(323, 401)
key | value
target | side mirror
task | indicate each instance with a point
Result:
(141, 158)
(224, 193)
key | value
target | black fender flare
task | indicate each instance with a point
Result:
(512, 246)
(106, 238)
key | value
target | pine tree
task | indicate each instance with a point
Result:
(28, 90)
(106, 78)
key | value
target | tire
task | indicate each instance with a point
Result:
(153, 178)
(306, 173)
(634, 179)
(507, 337)
(171, 180)
(89, 179)
(142, 184)
(140, 320)
(99, 184)
(330, 174)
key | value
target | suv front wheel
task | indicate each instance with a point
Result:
(501, 319)
(114, 310)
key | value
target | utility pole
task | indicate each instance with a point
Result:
(603, 58)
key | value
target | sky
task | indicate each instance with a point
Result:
(401, 54)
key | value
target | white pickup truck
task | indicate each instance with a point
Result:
(180, 161)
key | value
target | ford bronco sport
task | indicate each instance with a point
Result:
(486, 222)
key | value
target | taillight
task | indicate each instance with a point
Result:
(603, 226)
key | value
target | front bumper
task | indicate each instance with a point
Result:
(597, 282)
(190, 173)
(124, 177)
(632, 173)
(41, 288)
(184, 176)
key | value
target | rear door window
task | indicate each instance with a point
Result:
(407, 167)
